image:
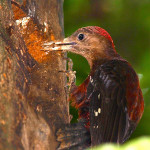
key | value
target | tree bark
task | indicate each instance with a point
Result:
(33, 98)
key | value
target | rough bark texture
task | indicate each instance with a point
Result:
(32, 90)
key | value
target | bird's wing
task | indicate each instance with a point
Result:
(109, 119)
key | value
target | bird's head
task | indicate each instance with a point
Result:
(92, 42)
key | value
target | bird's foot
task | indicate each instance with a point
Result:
(71, 75)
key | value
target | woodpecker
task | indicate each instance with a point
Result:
(109, 101)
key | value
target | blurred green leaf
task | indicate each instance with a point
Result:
(142, 143)
(128, 22)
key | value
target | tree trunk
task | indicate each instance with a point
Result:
(33, 98)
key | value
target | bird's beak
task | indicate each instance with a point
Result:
(64, 45)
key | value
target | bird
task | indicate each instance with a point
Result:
(109, 101)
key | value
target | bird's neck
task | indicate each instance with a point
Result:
(101, 55)
(95, 63)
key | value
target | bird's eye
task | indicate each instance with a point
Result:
(81, 36)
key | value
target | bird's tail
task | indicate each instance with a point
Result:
(73, 136)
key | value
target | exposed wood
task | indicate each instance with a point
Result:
(33, 99)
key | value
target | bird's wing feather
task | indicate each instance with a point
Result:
(109, 120)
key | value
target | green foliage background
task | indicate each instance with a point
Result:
(128, 22)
